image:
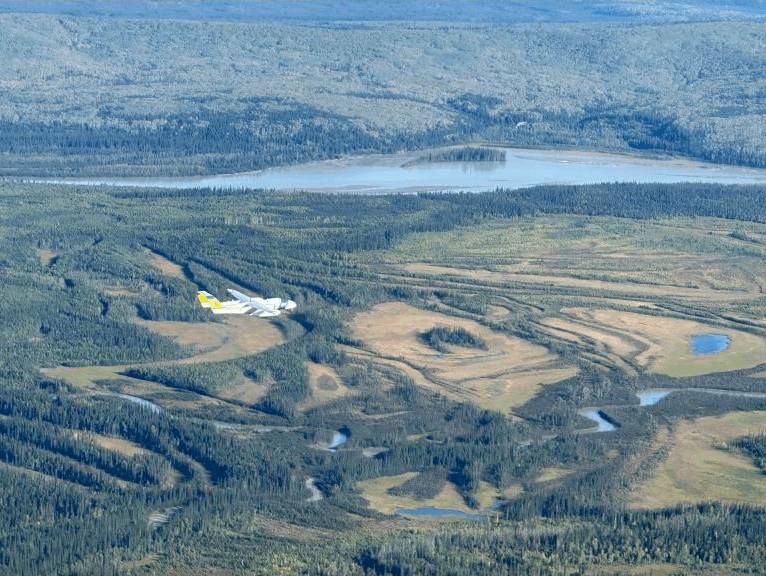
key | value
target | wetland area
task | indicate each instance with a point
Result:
(561, 371)
(452, 358)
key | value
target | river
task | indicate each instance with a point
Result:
(377, 174)
(652, 397)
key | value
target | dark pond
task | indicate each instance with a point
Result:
(429, 511)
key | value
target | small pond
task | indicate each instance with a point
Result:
(709, 343)
(339, 439)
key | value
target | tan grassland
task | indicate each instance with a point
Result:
(495, 393)
(88, 378)
(507, 275)
(120, 445)
(164, 265)
(506, 374)
(700, 468)
(553, 473)
(84, 377)
(235, 337)
(128, 448)
(245, 390)
(415, 374)
(375, 491)
(45, 256)
(326, 385)
(238, 335)
(659, 344)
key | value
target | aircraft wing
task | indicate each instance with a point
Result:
(260, 308)
(239, 296)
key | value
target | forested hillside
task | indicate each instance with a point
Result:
(138, 96)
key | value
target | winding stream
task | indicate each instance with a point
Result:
(650, 397)
(142, 402)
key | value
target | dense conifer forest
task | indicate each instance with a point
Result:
(120, 456)
(492, 383)
(140, 89)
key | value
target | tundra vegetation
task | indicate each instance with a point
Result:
(454, 339)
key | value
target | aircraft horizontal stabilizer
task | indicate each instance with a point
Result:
(265, 313)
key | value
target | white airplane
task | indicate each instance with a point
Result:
(263, 308)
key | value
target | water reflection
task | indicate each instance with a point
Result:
(596, 415)
(429, 511)
(651, 397)
(338, 440)
(142, 402)
(397, 173)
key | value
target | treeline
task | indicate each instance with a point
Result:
(259, 137)
(695, 537)
(268, 133)
(624, 200)
(438, 337)
(464, 154)
(754, 446)
(390, 218)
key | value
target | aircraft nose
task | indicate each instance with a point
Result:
(289, 304)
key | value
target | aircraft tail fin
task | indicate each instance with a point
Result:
(207, 300)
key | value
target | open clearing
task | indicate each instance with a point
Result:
(326, 386)
(375, 491)
(235, 337)
(238, 335)
(552, 473)
(45, 256)
(700, 468)
(508, 373)
(128, 448)
(634, 288)
(244, 390)
(164, 265)
(120, 445)
(656, 343)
